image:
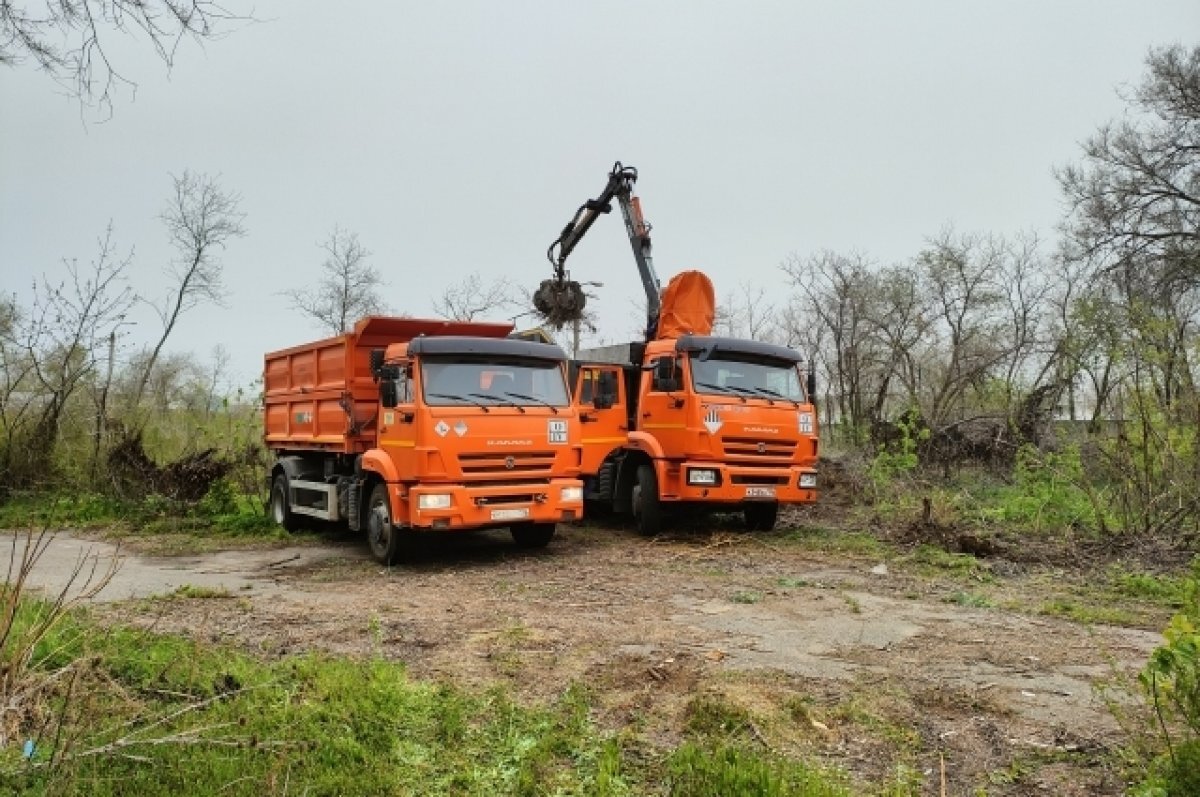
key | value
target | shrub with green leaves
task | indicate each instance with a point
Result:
(1049, 494)
(1171, 681)
(898, 458)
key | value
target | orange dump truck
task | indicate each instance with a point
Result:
(695, 419)
(684, 418)
(407, 425)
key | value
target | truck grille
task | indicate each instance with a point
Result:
(507, 465)
(743, 479)
(759, 451)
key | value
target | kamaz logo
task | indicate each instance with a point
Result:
(510, 442)
(763, 429)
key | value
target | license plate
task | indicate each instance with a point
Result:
(760, 492)
(510, 514)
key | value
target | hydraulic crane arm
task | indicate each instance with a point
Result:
(620, 187)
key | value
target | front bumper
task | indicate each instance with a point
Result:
(736, 484)
(481, 506)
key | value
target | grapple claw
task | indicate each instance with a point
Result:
(559, 301)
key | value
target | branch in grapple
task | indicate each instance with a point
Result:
(560, 302)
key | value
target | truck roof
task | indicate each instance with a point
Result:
(716, 345)
(504, 347)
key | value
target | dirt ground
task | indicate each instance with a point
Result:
(875, 667)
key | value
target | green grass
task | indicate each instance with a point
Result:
(222, 519)
(931, 559)
(726, 771)
(723, 756)
(197, 592)
(970, 599)
(853, 543)
(1088, 613)
(1159, 589)
(746, 596)
(77, 510)
(149, 714)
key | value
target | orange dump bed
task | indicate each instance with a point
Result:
(322, 395)
(688, 306)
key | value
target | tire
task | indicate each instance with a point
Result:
(647, 509)
(281, 511)
(761, 517)
(532, 535)
(382, 535)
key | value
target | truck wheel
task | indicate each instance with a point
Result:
(382, 536)
(532, 535)
(281, 511)
(760, 517)
(647, 509)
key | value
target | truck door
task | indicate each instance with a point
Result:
(600, 396)
(397, 425)
(661, 411)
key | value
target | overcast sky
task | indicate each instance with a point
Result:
(460, 137)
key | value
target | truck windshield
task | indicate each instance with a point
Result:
(750, 377)
(513, 381)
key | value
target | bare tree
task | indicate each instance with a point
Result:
(51, 351)
(1134, 222)
(201, 218)
(839, 294)
(961, 275)
(747, 314)
(472, 298)
(347, 290)
(1135, 200)
(68, 39)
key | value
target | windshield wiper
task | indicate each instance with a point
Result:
(456, 397)
(500, 400)
(721, 388)
(776, 394)
(533, 398)
(725, 388)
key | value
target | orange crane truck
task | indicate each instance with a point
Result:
(684, 418)
(406, 425)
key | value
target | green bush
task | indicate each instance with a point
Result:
(899, 458)
(1047, 492)
(1171, 682)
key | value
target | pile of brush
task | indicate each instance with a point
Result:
(559, 301)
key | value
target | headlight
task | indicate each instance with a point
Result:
(703, 476)
(808, 480)
(433, 501)
(571, 494)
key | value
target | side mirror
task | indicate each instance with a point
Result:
(811, 387)
(376, 361)
(606, 390)
(389, 395)
(666, 377)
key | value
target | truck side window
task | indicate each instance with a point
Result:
(404, 385)
(587, 386)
